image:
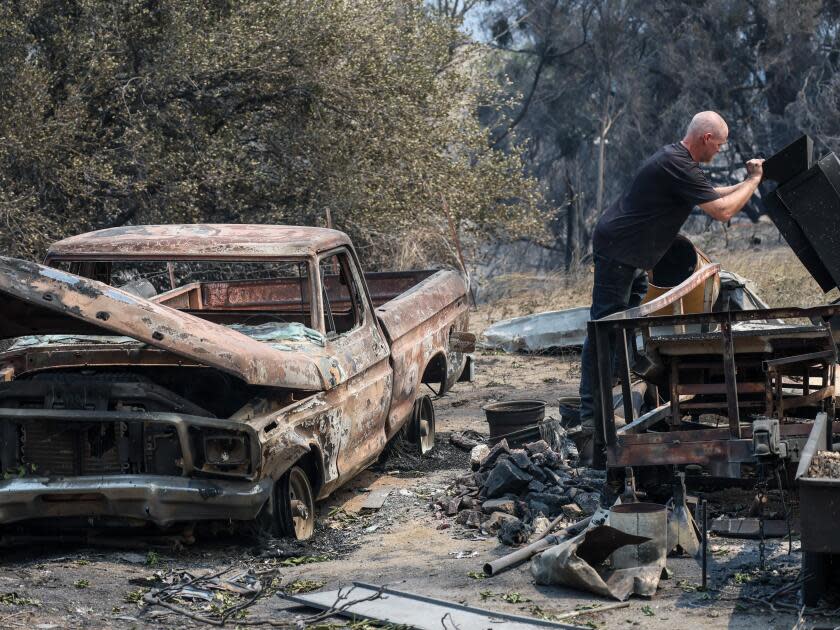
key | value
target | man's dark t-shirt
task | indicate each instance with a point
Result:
(638, 228)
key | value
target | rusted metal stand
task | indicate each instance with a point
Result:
(787, 356)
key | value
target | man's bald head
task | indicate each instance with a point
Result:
(706, 134)
(707, 122)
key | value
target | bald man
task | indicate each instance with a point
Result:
(637, 230)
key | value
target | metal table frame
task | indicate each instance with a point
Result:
(623, 327)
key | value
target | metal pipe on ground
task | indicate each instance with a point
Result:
(543, 542)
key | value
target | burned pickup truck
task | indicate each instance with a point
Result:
(155, 375)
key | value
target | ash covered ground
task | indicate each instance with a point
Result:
(406, 544)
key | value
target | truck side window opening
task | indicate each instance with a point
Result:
(342, 299)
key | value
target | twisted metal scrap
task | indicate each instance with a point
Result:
(780, 606)
(162, 597)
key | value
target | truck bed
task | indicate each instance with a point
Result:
(419, 322)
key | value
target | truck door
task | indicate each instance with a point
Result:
(354, 339)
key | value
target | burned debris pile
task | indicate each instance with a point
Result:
(510, 488)
(825, 465)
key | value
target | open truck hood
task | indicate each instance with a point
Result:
(39, 300)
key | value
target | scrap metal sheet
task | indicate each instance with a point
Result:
(417, 611)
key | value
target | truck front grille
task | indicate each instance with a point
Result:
(50, 448)
(70, 448)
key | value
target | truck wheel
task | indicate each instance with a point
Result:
(295, 505)
(422, 427)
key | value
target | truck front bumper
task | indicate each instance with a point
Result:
(161, 500)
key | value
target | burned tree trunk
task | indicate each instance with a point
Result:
(573, 224)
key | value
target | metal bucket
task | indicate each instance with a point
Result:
(640, 519)
(514, 418)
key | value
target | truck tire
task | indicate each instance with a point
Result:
(295, 504)
(422, 426)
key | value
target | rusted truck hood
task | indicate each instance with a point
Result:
(39, 300)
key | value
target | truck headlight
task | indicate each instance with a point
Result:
(226, 450)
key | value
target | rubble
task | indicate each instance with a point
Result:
(467, 440)
(478, 454)
(514, 532)
(500, 520)
(572, 511)
(504, 478)
(826, 465)
(499, 505)
(510, 490)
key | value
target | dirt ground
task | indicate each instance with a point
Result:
(402, 545)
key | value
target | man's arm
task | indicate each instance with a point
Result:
(731, 202)
(725, 190)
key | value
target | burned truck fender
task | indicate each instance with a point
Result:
(445, 354)
(423, 354)
(308, 429)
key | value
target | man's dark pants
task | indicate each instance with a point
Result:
(617, 287)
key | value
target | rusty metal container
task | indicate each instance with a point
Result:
(677, 265)
(819, 509)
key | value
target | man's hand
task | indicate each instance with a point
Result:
(755, 168)
(733, 198)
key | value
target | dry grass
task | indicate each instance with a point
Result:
(513, 295)
(777, 275)
(752, 251)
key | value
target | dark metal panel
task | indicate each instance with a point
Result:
(789, 162)
(796, 239)
(814, 203)
(819, 505)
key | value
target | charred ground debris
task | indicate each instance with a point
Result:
(734, 394)
(723, 406)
